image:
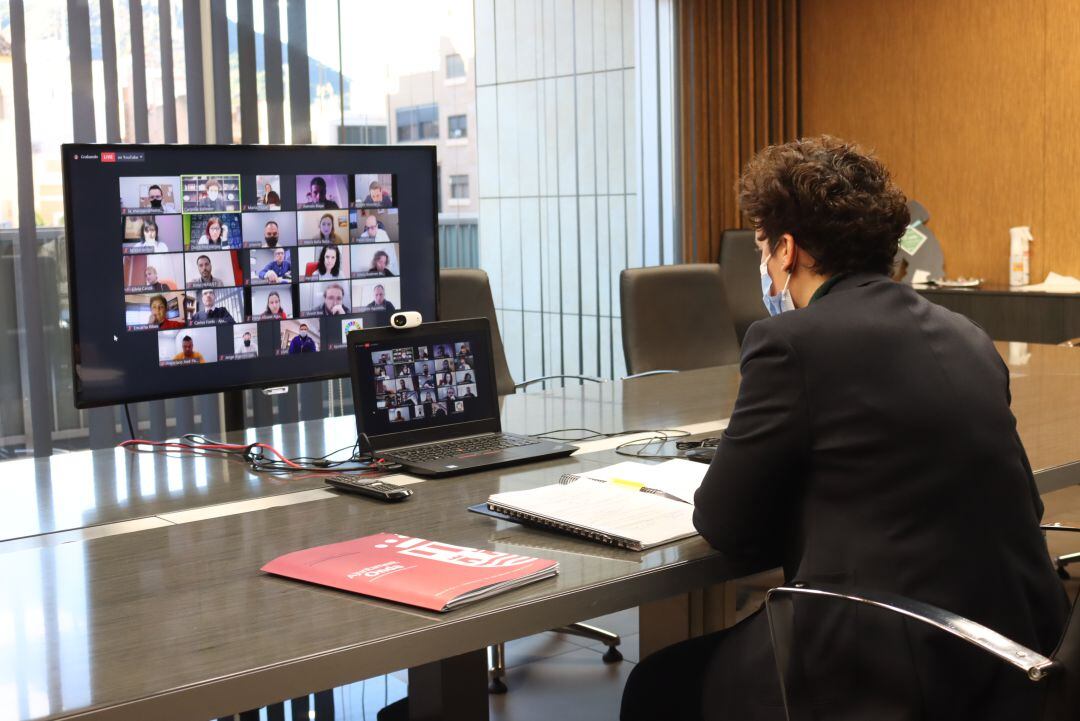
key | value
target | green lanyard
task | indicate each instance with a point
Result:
(825, 287)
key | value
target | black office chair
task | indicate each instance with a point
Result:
(676, 318)
(466, 293)
(739, 261)
(1061, 671)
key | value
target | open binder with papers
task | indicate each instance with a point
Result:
(630, 505)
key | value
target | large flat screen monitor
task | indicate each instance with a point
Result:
(198, 268)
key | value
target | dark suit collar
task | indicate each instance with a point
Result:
(857, 280)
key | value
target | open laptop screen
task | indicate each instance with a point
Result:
(434, 376)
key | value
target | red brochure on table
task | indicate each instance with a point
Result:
(428, 574)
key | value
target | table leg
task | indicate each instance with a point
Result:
(674, 619)
(452, 689)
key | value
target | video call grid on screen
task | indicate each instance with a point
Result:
(226, 251)
(424, 381)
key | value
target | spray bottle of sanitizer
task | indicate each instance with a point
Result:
(1020, 255)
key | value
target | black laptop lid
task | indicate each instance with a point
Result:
(423, 384)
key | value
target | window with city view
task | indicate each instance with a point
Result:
(532, 108)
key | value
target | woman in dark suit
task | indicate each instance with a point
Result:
(871, 447)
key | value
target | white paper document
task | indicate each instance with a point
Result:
(608, 504)
(678, 477)
(635, 520)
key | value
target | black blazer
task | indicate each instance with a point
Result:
(872, 446)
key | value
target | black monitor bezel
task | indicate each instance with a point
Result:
(68, 150)
(430, 434)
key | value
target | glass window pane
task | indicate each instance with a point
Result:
(457, 126)
(455, 67)
(459, 187)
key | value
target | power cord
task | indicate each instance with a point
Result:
(264, 458)
(642, 445)
(131, 428)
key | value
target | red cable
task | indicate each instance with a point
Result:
(192, 447)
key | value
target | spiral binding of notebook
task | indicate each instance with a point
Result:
(565, 527)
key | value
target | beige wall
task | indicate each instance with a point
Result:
(974, 104)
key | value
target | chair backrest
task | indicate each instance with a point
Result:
(739, 261)
(466, 293)
(676, 317)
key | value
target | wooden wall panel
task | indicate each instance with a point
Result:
(965, 100)
(1058, 248)
(857, 75)
(980, 69)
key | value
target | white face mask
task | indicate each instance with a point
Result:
(775, 304)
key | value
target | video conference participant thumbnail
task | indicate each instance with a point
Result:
(375, 261)
(271, 303)
(375, 190)
(263, 192)
(153, 311)
(157, 273)
(210, 193)
(375, 226)
(245, 342)
(379, 297)
(268, 230)
(270, 266)
(187, 346)
(315, 227)
(149, 194)
(209, 231)
(213, 269)
(322, 191)
(152, 234)
(348, 325)
(324, 298)
(218, 305)
(328, 262)
(299, 336)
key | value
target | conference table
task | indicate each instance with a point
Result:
(133, 588)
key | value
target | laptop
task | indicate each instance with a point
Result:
(426, 398)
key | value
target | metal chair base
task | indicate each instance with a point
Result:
(497, 652)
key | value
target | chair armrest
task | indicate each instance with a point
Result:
(1034, 664)
(1059, 527)
(529, 382)
(647, 373)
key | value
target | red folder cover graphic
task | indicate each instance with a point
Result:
(415, 571)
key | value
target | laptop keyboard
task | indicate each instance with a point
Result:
(460, 447)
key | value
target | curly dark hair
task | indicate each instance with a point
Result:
(838, 203)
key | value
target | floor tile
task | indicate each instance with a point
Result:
(624, 623)
(538, 647)
(629, 647)
(568, 687)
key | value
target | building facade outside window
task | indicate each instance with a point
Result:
(457, 126)
(455, 66)
(418, 123)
